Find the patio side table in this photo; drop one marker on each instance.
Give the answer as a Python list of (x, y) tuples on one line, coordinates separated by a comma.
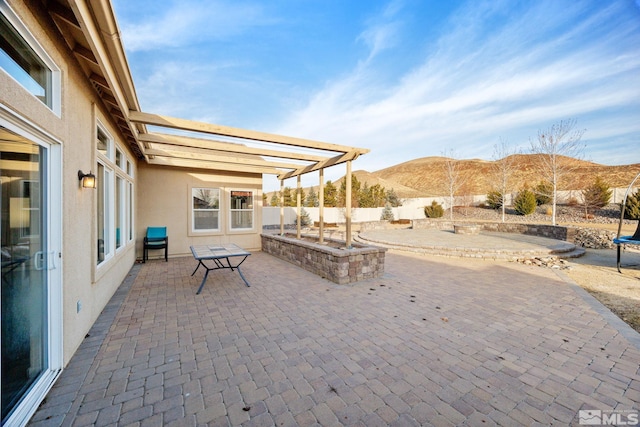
[(220, 257)]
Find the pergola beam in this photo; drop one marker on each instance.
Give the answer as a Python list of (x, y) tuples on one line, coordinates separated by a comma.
[(321, 165), (195, 126), (185, 141), (184, 163), (212, 155)]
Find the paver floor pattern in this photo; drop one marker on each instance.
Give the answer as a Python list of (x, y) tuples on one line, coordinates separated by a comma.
[(433, 342)]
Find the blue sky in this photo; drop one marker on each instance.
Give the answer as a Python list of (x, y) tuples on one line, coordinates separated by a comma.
[(406, 78)]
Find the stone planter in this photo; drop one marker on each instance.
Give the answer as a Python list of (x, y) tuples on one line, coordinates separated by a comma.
[(329, 260)]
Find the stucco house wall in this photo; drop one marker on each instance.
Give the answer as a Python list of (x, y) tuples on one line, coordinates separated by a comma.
[(75, 129), (165, 200)]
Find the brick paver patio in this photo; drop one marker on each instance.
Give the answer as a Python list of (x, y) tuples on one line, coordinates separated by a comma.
[(436, 341)]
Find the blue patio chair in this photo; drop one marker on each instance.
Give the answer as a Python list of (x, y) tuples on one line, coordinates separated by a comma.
[(626, 240), (156, 238)]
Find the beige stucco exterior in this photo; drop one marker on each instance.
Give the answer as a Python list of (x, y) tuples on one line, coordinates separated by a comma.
[(166, 201), (75, 130)]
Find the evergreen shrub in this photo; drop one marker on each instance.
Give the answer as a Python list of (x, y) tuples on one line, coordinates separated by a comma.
[(525, 202), (434, 211)]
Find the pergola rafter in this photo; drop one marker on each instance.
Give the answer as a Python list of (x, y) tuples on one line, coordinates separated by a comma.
[(213, 129), (199, 164), (209, 154), (190, 153), (209, 144)]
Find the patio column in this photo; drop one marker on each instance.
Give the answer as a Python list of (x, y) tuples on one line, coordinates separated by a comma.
[(298, 197), (321, 206), (347, 202), (282, 207)]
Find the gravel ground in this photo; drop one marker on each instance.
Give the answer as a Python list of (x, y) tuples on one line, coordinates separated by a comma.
[(565, 215)]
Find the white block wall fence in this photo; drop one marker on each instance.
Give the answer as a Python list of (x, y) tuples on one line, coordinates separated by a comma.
[(410, 209)]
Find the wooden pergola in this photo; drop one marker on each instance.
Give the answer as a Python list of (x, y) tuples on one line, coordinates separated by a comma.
[(301, 156)]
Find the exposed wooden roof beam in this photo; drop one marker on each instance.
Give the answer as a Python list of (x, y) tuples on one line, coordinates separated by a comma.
[(85, 54), (63, 13), (99, 80), (164, 161), (230, 147), (342, 158), (118, 114), (190, 125), (98, 23), (110, 100)]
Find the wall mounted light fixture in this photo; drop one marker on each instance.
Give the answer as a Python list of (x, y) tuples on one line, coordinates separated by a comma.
[(87, 180)]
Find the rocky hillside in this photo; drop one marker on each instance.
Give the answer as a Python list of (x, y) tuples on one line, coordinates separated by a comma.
[(426, 177)]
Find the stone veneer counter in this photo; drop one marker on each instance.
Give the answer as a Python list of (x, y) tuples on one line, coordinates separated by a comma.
[(338, 264)]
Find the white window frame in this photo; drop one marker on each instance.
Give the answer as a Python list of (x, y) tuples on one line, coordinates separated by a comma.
[(53, 200), (108, 156), (109, 221), (120, 159), (116, 175), (120, 200), (218, 210), (252, 210), (54, 100), (130, 211)]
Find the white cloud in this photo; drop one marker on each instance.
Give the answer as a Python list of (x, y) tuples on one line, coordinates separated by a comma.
[(191, 21), (382, 31), (491, 76)]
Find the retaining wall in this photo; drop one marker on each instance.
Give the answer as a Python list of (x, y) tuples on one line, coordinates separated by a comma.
[(543, 230)]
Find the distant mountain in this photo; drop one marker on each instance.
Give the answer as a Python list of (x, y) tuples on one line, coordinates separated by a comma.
[(426, 177)]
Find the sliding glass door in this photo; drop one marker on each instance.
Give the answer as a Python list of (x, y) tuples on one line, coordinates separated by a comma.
[(27, 260)]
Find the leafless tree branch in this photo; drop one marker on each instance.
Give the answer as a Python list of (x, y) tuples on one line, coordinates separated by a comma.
[(557, 147)]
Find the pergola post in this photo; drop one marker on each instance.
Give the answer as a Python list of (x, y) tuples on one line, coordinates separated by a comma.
[(321, 206), (298, 197), (282, 207), (347, 213)]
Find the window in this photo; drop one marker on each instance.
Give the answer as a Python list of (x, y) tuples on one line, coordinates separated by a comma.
[(120, 159), (205, 207), (130, 209), (241, 208), (120, 202), (103, 179), (115, 197), (104, 144), (24, 59)]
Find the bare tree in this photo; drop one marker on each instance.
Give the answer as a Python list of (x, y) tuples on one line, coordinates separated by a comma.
[(453, 178), (504, 167), (556, 148)]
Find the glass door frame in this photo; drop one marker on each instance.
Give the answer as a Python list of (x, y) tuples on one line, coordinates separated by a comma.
[(52, 200)]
